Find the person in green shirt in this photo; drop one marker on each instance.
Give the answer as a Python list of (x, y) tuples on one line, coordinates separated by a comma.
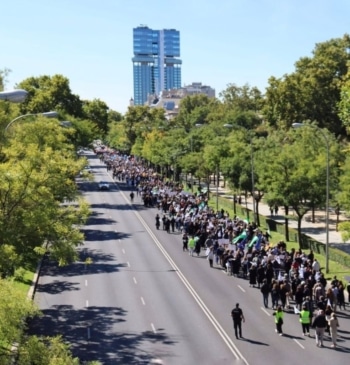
[(191, 245), (279, 320), (304, 319)]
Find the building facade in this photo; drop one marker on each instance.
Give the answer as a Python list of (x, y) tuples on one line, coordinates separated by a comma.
[(170, 100), (156, 63)]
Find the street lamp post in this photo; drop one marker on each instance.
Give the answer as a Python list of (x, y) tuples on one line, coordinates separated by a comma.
[(299, 125), (251, 165), (45, 114), (14, 96)]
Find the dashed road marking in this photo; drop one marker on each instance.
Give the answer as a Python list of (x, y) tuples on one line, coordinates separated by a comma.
[(86, 283), (87, 304), (265, 311), (123, 251), (153, 328), (241, 288), (298, 343), (143, 301), (128, 263), (135, 281)]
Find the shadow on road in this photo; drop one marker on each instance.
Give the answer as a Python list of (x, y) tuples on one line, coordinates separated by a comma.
[(95, 336), (92, 262), (57, 287)]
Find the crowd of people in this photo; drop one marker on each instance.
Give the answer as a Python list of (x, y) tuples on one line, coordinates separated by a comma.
[(239, 247)]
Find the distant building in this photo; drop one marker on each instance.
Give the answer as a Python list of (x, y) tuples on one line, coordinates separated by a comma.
[(156, 65), (198, 88), (170, 99)]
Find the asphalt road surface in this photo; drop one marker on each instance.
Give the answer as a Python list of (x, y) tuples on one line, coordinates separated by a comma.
[(136, 298)]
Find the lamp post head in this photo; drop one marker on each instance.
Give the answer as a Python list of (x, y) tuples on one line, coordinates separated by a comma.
[(50, 114), (66, 124), (14, 96), (298, 125)]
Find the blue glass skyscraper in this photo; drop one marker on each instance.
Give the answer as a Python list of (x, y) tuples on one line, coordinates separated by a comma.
[(156, 64)]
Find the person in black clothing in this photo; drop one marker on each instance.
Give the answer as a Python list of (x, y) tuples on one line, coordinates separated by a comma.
[(319, 324), (237, 317), (157, 221), (185, 242), (265, 290)]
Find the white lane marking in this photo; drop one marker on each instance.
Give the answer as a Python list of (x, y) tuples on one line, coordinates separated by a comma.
[(123, 251), (265, 311), (128, 263), (241, 288), (87, 304), (135, 281), (222, 333), (153, 328), (88, 333), (299, 343), (156, 361), (86, 283), (143, 301)]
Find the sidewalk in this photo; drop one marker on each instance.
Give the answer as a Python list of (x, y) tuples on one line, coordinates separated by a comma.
[(316, 230)]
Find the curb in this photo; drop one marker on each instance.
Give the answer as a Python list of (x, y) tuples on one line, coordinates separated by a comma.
[(35, 280)]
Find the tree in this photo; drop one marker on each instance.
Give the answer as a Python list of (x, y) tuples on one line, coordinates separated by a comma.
[(242, 99), (47, 351), (3, 77), (13, 309), (47, 93), (312, 92), (36, 177), (97, 112), (344, 103), (294, 172)]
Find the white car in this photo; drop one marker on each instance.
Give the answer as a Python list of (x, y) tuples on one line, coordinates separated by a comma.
[(103, 185)]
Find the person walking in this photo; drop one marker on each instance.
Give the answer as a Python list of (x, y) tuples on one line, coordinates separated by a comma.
[(185, 242), (279, 314), (210, 256), (157, 221), (333, 325), (265, 290), (237, 317), (191, 245), (304, 319), (320, 324)]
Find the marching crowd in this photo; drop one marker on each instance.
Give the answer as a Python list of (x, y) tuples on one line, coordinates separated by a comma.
[(241, 248)]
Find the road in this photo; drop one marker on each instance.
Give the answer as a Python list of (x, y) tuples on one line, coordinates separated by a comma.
[(142, 300)]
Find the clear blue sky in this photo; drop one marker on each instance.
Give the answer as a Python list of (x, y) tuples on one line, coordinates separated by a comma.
[(222, 42)]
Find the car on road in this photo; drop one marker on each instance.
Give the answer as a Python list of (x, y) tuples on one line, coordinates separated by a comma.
[(103, 185)]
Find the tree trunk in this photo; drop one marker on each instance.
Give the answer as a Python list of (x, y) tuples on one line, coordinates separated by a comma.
[(299, 232), (286, 223)]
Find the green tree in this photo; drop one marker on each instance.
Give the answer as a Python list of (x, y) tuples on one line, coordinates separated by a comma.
[(36, 177), (47, 351), (13, 309), (47, 93), (312, 92), (242, 99), (97, 112), (294, 172)]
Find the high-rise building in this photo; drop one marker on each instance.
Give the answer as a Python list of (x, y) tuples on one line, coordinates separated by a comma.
[(156, 64)]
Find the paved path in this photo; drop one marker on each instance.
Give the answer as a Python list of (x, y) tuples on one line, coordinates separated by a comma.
[(315, 230)]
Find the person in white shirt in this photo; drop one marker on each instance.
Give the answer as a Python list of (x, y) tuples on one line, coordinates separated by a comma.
[(316, 266)]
